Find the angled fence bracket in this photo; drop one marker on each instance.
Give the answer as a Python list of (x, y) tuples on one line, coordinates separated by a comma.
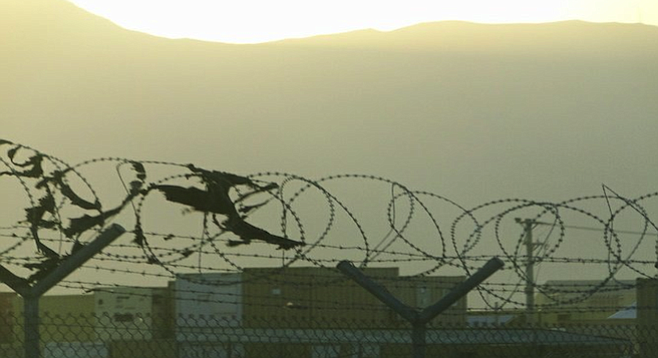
[(419, 319), (32, 293)]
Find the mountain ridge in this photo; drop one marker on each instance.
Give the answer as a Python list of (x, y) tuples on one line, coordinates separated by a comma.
[(470, 34), (73, 21), (77, 86)]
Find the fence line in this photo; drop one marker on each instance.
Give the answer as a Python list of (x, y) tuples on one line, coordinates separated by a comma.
[(94, 336), (258, 231)]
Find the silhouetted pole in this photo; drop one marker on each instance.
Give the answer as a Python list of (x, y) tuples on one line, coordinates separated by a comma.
[(32, 294), (528, 225), (420, 319)]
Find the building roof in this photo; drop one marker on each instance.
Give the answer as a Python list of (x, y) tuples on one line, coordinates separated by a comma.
[(628, 312)]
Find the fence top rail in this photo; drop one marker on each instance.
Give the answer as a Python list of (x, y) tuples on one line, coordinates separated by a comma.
[(401, 336)]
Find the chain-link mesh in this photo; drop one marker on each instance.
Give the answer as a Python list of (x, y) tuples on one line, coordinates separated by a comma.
[(88, 336)]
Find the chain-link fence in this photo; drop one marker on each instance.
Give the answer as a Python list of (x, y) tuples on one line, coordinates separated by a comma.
[(88, 336), (220, 259)]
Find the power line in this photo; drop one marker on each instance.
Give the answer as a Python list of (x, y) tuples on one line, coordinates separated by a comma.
[(577, 227)]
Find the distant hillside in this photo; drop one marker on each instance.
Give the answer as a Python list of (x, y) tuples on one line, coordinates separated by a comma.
[(468, 109), (576, 36)]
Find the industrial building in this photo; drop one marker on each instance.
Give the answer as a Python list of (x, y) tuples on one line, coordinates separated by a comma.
[(198, 314), (287, 312), (304, 297), (132, 313), (581, 301)]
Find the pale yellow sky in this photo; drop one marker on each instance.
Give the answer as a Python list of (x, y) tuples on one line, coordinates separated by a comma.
[(250, 21)]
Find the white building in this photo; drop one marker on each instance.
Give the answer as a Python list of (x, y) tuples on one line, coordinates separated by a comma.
[(131, 313), (205, 301)]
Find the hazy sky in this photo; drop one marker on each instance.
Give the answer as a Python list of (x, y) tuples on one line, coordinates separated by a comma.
[(258, 21), (470, 112)]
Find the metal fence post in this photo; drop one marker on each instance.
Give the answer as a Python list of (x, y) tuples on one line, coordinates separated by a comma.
[(31, 326), (418, 338), (420, 319), (32, 294)]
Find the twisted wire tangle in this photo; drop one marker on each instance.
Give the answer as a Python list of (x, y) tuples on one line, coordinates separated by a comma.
[(282, 220)]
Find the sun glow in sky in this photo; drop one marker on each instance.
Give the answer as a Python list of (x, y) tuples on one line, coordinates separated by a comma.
[(251, 21)]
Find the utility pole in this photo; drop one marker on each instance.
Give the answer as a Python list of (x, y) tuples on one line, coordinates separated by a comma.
[(528, 225)]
